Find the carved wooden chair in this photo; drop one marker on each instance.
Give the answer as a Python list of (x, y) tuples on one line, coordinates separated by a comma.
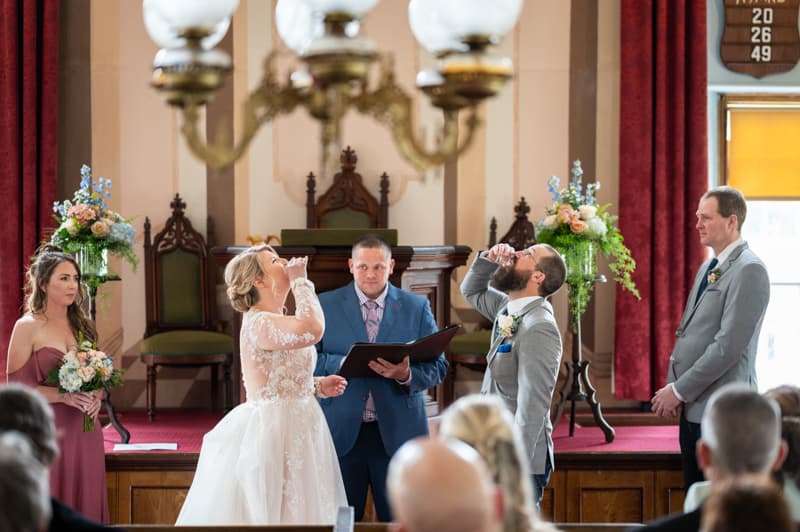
[(347, 203), (181, 330), (469, 349)]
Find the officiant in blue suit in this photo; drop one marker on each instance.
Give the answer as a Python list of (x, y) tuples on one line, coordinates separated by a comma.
[(717, 338), (374, 416)]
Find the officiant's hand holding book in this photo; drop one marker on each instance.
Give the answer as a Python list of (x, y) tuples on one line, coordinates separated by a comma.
[(357, 361)]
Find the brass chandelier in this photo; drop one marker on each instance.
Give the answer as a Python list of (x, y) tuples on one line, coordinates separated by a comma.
[(335, 70)]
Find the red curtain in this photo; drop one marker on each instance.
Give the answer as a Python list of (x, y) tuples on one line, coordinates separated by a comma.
[(662, 174), (28, 143)]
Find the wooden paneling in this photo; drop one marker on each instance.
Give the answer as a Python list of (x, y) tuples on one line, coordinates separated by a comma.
[(610, 496), (553, 506), (669, 492), (148, 497), (586, 488)]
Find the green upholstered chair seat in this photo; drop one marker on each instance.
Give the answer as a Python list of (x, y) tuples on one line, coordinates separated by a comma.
[(187, 343), (474, 343)]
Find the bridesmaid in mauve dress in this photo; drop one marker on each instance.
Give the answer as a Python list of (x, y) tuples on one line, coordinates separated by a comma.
[(50, 327)]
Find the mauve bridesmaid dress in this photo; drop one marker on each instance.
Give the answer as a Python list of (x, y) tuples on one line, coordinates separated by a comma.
[(78, 475)]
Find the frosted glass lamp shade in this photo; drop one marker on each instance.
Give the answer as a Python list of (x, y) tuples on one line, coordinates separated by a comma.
[(166, 37), (295, 22), (181, 15), (357, 8), (479, 17), (429, 29)]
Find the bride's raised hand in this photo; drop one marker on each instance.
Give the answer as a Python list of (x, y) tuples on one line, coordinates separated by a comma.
[(296, 268), (333, 385)]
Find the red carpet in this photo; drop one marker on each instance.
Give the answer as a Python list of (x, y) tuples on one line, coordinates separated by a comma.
[(186, 428), (649, 439)]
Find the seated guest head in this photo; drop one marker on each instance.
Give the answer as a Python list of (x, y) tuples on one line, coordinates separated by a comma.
[(741, 433), (441, 486), (788, 398), (25, 411), (746, 503), (485, 423), (24, 491)]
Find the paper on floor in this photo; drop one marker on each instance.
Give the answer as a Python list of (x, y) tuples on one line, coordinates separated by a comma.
[(145, 446)]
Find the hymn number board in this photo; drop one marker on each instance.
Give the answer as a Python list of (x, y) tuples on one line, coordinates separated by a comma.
[(761, 36)]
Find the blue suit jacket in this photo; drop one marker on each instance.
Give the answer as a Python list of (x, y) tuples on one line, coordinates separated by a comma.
[(400, 409)]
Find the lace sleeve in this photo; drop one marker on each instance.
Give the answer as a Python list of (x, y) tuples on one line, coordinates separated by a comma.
[(318, 388), (304, 328), (305, 300)]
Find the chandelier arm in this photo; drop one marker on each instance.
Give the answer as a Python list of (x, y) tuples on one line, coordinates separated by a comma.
[(391, 106), (263, 104)]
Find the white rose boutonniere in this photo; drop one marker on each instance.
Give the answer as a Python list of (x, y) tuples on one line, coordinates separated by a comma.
[(507, 325), (714, 275)]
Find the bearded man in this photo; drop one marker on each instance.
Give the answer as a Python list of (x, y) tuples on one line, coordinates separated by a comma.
[(511, 288)]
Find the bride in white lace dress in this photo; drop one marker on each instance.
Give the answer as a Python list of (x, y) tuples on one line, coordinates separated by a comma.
[(271, 460)]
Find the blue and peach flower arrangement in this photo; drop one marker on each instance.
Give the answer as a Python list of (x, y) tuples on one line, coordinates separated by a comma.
[(86, 222), (575, 223)]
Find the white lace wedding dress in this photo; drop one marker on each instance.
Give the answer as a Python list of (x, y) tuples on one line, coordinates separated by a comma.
[(271, 460)]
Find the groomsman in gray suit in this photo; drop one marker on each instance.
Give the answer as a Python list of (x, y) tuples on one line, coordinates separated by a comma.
[(718, 334), (511, 288)]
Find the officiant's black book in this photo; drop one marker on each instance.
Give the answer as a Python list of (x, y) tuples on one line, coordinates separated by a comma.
[(425, 349)]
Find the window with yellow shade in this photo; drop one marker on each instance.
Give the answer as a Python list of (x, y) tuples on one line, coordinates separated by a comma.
[(760, 157)]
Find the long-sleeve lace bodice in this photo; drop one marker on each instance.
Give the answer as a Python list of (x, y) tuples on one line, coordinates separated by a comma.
[(278, 363)]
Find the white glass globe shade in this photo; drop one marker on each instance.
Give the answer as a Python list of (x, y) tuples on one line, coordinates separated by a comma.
[(295, 22), (166, 37), (479, 17), (184, 14), (429, 29), (357, 8)]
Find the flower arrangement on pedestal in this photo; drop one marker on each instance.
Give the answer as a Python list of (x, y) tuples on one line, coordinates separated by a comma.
[(578, 228), (88, 229)]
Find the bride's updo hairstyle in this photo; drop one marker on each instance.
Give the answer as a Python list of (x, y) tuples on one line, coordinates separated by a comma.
[(240, 274), (484, 423)]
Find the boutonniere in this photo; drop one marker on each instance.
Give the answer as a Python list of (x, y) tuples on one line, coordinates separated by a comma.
[(714, 275), (507, 325)]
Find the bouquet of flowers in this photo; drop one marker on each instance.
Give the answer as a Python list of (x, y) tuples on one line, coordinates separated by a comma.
[(85, 369), (575, 223), (86, 224)]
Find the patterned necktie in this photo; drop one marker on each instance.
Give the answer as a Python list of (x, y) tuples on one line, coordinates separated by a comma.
[(372, 321), (704, 280)]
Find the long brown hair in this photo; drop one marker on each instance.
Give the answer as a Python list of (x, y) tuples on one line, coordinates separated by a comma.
[(44, 264)]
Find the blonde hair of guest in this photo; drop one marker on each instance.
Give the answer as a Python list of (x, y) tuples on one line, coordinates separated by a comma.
[(484, 423)]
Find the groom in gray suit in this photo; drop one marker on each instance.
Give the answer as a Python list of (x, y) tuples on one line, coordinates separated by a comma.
[(525, 353), (718, 334)]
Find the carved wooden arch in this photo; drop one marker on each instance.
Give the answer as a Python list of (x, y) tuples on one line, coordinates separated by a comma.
[(347, 192), (521, 234), (178, 233)]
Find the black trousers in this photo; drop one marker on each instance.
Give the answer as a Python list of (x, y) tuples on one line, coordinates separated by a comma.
[(688, 436)]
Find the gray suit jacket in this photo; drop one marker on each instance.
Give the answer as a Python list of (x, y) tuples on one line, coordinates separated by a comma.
[(718, 336), (525, 375)]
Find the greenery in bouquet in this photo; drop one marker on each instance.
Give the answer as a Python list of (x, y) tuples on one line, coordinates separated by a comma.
[(85, 369), (574, 221), (85, 223)]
